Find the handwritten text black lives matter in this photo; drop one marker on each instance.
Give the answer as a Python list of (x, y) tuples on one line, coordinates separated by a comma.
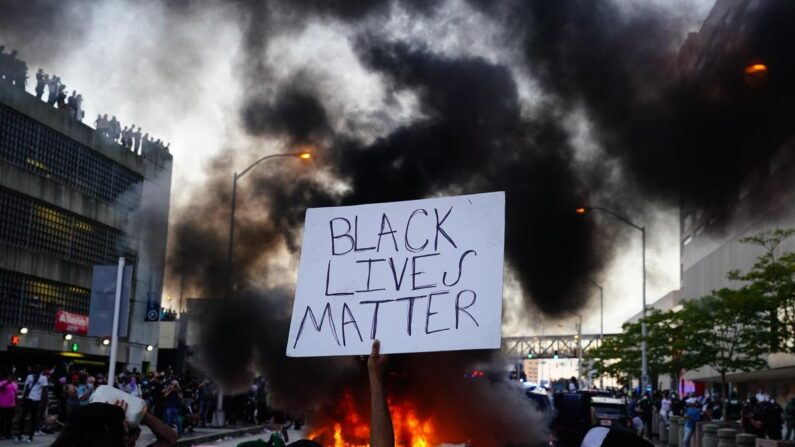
[(401, 252)]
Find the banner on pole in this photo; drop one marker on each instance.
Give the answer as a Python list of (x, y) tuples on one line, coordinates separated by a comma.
[(421, 275), (103, 296), (152, 306)]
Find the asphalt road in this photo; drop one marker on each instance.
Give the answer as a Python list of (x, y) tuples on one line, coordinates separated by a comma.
[(294, 436)]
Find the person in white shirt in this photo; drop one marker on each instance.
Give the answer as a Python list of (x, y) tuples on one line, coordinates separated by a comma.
[(665, 408), (35, 386)]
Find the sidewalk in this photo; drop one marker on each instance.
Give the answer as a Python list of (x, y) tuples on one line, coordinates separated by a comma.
[(199, 435)]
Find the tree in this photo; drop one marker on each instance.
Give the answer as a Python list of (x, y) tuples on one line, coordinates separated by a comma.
[(728, 330), (671, 336), (730, 334), (772, 282), (618, 355), (668, 336)]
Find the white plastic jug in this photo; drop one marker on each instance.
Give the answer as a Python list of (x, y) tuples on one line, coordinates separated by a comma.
[(135, 405)]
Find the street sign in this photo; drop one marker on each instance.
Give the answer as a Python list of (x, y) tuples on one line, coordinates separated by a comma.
[(71, 323), (422, 275)]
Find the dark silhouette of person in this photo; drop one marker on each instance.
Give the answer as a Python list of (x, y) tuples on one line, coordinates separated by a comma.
[(62, 97), (17, 70), (41, 81), (52, 90), (137, 141)]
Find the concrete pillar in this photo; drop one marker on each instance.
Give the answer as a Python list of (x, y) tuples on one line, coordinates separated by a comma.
[(710, 438), (673, 432), (745, 440), (726, 437), (663, 430)]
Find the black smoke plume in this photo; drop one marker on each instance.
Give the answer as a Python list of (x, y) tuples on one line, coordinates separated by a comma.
[(677, 134)]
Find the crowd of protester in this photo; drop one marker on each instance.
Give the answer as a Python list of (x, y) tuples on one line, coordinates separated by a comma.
[(14, 71), (40, 401), (759, 415), (167, 314), (128, 137)]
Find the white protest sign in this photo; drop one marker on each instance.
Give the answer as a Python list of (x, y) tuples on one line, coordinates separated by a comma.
[(422, 275)]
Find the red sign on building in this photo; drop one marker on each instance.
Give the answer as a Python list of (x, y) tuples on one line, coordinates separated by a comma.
[(71, 323)]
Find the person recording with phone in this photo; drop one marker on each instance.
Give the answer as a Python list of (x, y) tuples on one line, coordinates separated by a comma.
[(173, 402)]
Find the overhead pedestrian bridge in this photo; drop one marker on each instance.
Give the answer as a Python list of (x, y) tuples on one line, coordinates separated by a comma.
[(551, 346)]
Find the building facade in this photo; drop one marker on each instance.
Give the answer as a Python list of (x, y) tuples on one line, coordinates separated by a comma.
[(728, 59), (711, 241), (70, 199)]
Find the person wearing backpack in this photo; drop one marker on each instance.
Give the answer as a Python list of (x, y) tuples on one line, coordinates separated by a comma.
[(35, 387)]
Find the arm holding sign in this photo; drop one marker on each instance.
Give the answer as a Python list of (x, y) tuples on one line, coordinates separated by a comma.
[(381, 432)]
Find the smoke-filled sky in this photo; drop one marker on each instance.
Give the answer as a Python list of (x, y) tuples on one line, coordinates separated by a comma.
[(455, 96)]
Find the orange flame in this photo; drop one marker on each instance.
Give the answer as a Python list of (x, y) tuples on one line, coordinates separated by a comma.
[(353, 430)]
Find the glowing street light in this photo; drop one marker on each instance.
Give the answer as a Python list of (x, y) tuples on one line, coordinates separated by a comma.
[(754, 69), (755, 74), (218, 416), (302, 155)]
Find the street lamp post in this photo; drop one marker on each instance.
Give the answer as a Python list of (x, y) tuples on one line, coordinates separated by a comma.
[(601, 321), (235, 178), (644, 360), (601, 309), (218, 417)]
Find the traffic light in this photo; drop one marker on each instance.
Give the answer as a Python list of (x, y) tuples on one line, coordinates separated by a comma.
[(530, 355), (556, 356), (75, 347), (14, 340)]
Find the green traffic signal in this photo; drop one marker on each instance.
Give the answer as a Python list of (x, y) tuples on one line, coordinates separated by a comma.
[(75, 347)]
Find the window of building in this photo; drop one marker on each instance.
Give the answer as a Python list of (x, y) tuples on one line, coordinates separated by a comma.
[(40, 227), (36, 148), (32, 302)]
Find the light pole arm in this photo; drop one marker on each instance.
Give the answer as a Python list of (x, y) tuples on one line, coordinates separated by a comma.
[(617, 216), (235, 178), (288, 154)]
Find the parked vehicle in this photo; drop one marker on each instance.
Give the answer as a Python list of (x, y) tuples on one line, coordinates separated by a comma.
[(579, 412)]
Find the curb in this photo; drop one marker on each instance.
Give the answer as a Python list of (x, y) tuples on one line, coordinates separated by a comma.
[(186, 442)]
